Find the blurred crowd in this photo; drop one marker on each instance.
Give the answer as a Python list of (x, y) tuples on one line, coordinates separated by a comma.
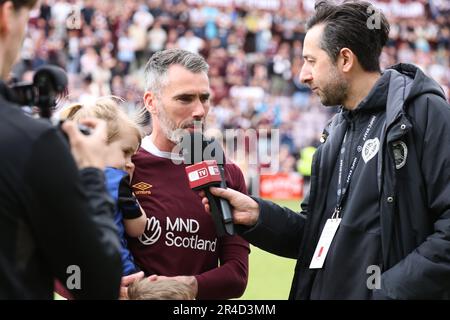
[(253, 48)]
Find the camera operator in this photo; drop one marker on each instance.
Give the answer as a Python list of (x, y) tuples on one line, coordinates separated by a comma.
[(55, 220)]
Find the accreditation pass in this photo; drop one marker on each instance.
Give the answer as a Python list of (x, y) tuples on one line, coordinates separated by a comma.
[(324, 244)]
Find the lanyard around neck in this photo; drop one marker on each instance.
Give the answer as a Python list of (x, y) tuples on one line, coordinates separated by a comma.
[(342, 190)]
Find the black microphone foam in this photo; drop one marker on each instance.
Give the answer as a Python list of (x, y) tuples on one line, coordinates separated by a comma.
[(196, 148)]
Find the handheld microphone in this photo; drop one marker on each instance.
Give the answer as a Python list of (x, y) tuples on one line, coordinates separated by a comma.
[(207, 170)]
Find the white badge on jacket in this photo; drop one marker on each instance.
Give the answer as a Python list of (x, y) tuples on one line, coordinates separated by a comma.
[(324, 244), (370, 149)]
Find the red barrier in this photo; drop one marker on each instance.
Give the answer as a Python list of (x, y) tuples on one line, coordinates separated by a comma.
[(283, 186)]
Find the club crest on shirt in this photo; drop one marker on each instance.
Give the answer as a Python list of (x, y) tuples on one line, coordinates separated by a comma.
[(400, 151), (370, 149)]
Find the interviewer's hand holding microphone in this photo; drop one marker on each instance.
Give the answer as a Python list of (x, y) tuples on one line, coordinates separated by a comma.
[(208, 156), (245, 210)]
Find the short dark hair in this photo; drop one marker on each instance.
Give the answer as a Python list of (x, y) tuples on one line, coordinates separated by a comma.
[(348, 25), (20, 3)]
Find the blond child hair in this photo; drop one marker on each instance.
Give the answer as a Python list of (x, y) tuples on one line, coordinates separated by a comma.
[(108, 109), (168, 289)]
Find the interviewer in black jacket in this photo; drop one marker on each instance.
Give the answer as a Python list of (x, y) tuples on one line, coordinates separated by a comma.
[(56, 220), (383, 169)]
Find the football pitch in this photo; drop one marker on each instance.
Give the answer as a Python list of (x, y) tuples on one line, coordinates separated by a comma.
[(270, 276)]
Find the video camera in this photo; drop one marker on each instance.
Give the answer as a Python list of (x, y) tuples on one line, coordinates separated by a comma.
[(49, 84)]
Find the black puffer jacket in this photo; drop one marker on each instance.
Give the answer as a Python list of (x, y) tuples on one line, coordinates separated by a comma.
[(412, 226)]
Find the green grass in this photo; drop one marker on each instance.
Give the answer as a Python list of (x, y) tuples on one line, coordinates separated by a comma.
[(270, 276)]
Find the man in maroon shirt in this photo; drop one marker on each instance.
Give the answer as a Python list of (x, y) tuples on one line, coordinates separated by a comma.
[(180, 240)]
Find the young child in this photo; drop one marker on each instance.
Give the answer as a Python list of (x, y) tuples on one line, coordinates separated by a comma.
[(124, 137)]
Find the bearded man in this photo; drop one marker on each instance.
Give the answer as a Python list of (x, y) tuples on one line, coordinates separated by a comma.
[(180, 240)]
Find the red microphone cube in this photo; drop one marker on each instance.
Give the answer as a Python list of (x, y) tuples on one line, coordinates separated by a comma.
[(203, 174)]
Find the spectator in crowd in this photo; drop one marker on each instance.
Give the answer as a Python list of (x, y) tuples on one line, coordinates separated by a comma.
[(245, 47)]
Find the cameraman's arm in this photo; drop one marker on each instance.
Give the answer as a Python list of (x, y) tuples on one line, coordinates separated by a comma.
[(73, 219)]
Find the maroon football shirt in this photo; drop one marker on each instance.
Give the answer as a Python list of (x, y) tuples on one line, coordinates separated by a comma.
[(180, 237)]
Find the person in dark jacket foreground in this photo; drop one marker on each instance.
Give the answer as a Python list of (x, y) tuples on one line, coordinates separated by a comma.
[(381, 177), (56, 220)]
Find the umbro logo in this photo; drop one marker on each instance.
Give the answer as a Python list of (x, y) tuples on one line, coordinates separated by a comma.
[(142, 188)]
